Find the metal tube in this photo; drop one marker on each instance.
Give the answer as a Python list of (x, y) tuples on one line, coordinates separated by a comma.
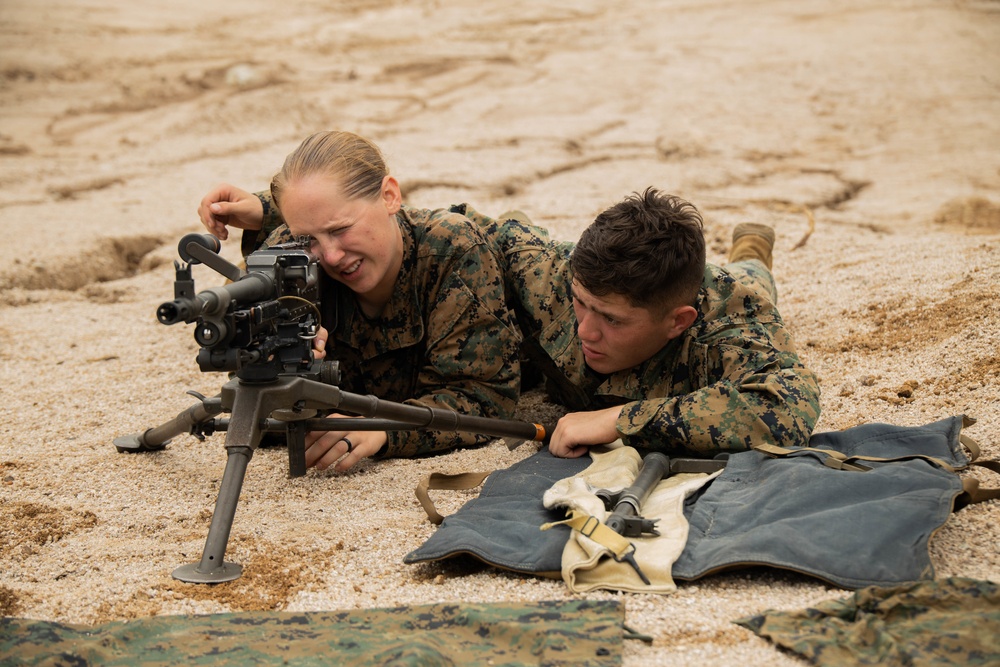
[(158, 436), (213, 568)]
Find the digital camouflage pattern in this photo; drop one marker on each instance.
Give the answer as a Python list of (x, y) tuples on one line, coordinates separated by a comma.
[(446, 339), (572, 633), (952, 621), (731, 381)]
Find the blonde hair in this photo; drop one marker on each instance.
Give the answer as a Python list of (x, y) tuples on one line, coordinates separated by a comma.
[(355, 161)]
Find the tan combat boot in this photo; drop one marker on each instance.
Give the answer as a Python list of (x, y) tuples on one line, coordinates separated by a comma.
[(520, 216), (752, 241)]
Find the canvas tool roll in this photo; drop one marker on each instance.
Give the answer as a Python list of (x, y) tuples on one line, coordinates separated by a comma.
[(856, 508), (593, 556)]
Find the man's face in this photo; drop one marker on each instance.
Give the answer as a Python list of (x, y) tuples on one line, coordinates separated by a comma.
[(616, 335)]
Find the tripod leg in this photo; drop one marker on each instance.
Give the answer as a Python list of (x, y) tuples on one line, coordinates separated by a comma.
[(242, 437), (296, 439), (159, 436), (213, 569)]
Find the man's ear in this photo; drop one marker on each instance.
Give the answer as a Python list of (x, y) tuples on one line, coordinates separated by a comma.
[(391, 195), (683, 317)]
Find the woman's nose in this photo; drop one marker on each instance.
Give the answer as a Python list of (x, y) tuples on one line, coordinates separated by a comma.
[(330, 252)]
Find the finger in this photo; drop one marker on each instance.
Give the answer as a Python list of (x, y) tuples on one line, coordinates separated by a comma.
[(336, 455), (319, 348), (315, 454), (314, 436), (319, 447), (235, 211), (561, 450), (558, 442), (216, 227), (347, 462), (220, 219), (330, 458)]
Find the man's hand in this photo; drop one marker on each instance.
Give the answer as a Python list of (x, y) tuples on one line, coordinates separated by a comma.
[(579, 430), (228, 206), (343, 448)]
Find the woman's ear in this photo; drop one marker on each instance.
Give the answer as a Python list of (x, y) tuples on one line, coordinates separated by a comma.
[(392, 197)]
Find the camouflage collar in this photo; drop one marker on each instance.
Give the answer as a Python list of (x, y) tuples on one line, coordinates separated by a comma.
[(401, 323)]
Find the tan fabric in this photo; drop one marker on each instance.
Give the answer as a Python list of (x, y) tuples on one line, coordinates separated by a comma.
[(588, 562), (752, 241)]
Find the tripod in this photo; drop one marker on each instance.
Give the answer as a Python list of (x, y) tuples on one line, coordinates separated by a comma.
[(296, 399)]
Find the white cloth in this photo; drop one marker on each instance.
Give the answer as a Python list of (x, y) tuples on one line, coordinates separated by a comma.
[(588, 563)]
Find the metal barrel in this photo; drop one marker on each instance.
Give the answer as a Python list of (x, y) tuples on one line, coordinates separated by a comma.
[(655, 467)]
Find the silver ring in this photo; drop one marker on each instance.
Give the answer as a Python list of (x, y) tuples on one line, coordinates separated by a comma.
[(350, 445)]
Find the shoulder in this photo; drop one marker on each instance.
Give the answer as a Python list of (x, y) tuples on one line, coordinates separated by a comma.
[(441, 232), (445, 251)]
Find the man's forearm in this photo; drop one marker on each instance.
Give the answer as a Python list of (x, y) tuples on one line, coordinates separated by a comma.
[(725, 417)]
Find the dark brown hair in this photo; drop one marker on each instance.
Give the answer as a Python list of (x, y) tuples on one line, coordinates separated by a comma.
[(649, 248)]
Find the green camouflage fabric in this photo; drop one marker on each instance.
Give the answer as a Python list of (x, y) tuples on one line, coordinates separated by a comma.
[(446, 339), (572, 633), (731, 381), (952, 621)]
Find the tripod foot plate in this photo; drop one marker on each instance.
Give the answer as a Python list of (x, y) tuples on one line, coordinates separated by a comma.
[(192, 575), (136, 443)]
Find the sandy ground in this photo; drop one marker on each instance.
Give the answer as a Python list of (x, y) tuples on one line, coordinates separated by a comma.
[(868, 137)]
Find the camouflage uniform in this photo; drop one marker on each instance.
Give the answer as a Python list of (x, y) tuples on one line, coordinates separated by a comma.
[(446, 339), (556, 633), (730, 381), (951, 621)]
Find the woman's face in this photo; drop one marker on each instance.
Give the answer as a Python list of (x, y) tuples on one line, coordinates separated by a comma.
[(357, 241)]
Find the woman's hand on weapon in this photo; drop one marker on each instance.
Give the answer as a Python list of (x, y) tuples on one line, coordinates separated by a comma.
[(319, 344), (341, 449), (228, 206)]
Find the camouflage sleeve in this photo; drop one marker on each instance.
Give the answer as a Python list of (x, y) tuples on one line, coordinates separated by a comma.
[(273, 223), (471, 361), (757, 391)]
